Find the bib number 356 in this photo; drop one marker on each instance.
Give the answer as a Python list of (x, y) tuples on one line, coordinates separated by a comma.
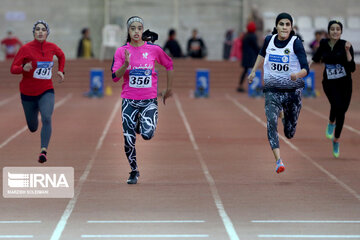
[(140, 78)]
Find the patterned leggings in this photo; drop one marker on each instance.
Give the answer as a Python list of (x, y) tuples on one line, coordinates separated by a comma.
[(147, 110), (290, 103)]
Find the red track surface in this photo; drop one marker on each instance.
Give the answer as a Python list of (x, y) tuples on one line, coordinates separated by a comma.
[(209, 160)]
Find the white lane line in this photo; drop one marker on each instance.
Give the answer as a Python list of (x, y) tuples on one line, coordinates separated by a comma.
[(70, 206), (19, 221), (330, 175), (147, 236), (16, 236), (305, 221), (146, 221), (9, 99), (327, 118), (309, 236), (221, 210), (12, 137)]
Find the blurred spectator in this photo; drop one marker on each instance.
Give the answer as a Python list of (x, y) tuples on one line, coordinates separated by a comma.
[(172, 47), (236, 50), (297, 32), (84, 47), (250, 51), (228, 44), (256, 17), (10, 45), (314, 45), (195, 46)]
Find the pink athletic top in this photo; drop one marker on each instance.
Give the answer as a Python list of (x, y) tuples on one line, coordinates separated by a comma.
[(140, 78)]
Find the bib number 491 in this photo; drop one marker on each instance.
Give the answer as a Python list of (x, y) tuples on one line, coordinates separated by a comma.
[(43, 70)]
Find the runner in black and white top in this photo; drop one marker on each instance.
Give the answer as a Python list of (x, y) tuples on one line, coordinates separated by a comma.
[(285, 66)]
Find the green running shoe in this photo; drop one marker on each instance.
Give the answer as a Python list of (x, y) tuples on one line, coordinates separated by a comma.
[(330, 131), (336, 149)]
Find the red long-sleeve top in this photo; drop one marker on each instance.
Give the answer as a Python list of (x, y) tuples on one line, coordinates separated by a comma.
[(39, 78)]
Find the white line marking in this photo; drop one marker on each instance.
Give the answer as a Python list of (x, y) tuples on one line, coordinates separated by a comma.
[(308, 236), (326, 118), (304, 221), (18, 221), (5, 101), (224, 216), (12, 137), (70, 207), (147, 236), (146, 221), (16, 236), (330, 175)]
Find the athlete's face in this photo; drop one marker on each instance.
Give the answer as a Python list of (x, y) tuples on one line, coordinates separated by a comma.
[(335, 31), (284, 29), (40, 33), (136, 31)]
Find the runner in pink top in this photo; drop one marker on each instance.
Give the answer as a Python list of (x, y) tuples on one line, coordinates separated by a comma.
[(140, 78), (135, 63)]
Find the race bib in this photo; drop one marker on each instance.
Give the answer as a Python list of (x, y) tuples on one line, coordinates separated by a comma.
[(140, 78), (335, 71), (10, 49), (43, 70), (279, 63)]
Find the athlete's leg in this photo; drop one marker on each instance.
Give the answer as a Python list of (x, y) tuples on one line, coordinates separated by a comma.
[(292, 106), (31, 110), (129, 117), (272, 109), (148, 119), (46, 107), (341, 106)]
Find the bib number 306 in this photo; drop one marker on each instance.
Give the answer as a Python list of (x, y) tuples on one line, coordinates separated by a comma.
[(280, 67)]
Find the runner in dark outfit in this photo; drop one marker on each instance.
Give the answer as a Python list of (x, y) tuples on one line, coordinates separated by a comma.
[(338, 56), (285, 66)]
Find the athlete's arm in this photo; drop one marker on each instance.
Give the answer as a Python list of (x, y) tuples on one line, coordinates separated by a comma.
[(121, 71), (168, 91), (17, 66), (303, 72), (259, 61), (61, 59)]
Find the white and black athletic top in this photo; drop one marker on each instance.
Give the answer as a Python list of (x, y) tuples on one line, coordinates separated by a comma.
[(281, 59)]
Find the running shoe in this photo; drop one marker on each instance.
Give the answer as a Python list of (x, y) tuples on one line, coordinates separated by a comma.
[(330, 131), (336, 149), (42, 157), (279, 166), (134, 175)]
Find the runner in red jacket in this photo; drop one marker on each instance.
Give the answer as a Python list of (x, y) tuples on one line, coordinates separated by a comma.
[(10, 45), (35, 62)]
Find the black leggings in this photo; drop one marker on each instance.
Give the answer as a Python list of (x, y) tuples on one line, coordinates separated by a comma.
[(243, 75), (148, 110), (339, 94)]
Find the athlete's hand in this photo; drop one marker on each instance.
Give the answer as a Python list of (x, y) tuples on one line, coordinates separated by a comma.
[(27, 67), (61, 77), (127, 57), (293, 76), (166, 94), (251, 77), (347, 46)]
